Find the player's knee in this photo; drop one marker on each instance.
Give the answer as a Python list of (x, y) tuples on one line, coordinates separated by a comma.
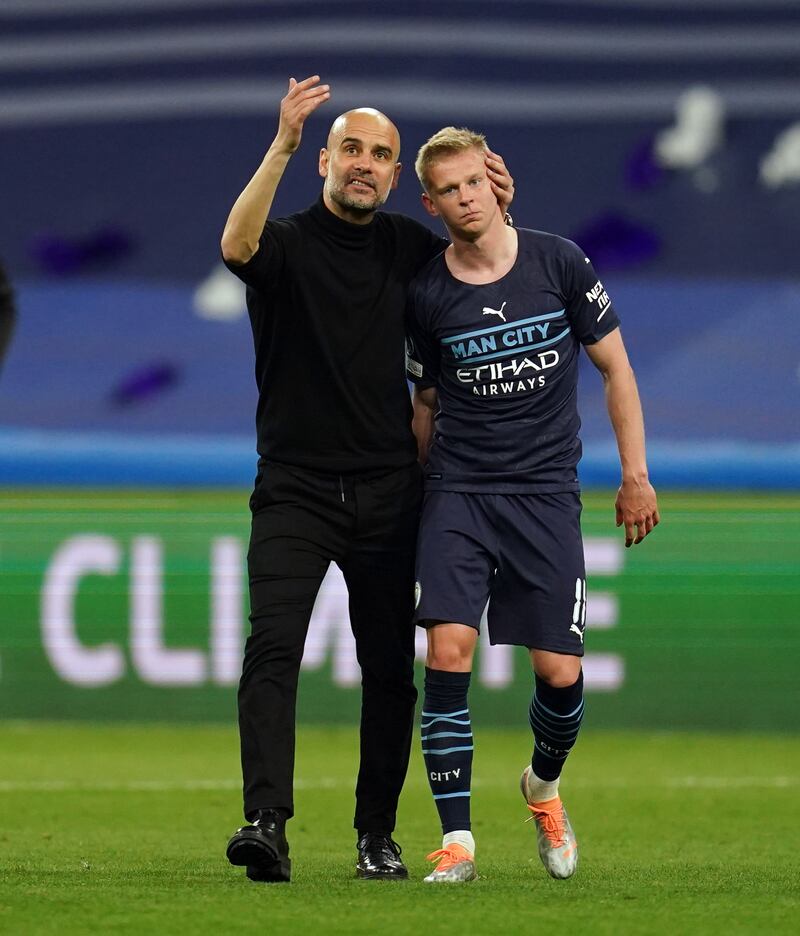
[(450, 658), (559, 672), (450, 647)]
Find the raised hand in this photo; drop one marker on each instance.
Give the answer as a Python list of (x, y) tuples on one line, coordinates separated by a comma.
[(500, 180), (302, 99)]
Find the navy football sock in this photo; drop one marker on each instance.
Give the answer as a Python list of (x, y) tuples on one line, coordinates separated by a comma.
[(555, 717), (447, 745)]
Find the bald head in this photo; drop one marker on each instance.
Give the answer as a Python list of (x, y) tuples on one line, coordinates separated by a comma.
[(364, 118), (359, 164)]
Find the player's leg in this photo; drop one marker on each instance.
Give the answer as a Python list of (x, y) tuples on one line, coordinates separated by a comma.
[(454, 572), (379, 571), (542, 571), (447, 745), (555, 715), (289, 552)]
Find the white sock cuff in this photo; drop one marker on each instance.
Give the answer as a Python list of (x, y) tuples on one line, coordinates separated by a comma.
[(540, 790), (461, 837)]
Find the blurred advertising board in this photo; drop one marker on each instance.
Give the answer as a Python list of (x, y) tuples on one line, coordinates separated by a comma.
[(133, 605)]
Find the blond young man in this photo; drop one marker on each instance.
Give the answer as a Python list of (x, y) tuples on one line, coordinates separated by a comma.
[(495, 325)]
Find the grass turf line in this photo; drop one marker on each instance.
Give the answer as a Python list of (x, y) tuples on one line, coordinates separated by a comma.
[(122, 829)]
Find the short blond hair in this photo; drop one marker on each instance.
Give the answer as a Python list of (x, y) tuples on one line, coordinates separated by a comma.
[(448, 140)]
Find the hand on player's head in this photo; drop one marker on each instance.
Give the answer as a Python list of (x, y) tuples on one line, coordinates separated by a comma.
[(500, 180)]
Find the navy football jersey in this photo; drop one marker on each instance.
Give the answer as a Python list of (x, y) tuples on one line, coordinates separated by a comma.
[(504, 359)]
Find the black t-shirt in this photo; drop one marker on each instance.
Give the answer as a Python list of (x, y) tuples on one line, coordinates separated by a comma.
[(326, 301), (504, 359)]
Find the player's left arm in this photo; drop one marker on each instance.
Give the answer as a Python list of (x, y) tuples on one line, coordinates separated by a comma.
[(425, 404), (636, 504)]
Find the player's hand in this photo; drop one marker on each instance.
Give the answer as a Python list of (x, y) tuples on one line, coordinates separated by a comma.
[(500, 180), (302, 99), (637, 510)]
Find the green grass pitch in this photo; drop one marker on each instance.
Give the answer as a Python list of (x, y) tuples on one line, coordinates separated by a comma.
[(122, 829)]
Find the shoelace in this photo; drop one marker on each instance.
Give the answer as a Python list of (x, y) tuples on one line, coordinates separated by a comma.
[(384, 843), (551, 821), (447, 857)]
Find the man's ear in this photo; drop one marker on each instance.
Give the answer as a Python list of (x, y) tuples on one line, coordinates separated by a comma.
[(429, 205), (396, 175), (323, 163)]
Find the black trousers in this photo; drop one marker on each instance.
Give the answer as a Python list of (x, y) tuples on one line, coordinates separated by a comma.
[(302, 521)]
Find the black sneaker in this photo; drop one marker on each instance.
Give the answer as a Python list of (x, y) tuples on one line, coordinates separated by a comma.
[(262, 848), (379, 857)]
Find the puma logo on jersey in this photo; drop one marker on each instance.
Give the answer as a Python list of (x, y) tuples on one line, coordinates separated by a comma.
[(488, 311)]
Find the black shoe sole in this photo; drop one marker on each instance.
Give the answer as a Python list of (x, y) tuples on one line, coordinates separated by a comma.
[(278, 873), (382, 875), (262, 862)]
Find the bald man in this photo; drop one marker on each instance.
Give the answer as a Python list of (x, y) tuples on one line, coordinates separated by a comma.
[(338, 478)]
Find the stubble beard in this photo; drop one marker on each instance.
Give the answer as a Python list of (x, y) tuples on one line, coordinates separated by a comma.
[(358, 204)]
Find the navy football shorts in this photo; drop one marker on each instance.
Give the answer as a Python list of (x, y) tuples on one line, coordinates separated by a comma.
[(523, 553)]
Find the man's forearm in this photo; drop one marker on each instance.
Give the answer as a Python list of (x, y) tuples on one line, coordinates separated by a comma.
[(625, 413), (251, 209), (422, 426), (636, 504)]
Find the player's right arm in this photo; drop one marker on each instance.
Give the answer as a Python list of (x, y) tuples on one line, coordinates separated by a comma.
[(240, 239), (425, 405)]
